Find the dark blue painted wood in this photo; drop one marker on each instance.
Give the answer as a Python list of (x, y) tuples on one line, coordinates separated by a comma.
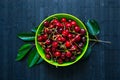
[(21, 15)]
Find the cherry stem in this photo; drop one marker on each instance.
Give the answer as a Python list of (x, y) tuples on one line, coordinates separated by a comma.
[(100, 41)]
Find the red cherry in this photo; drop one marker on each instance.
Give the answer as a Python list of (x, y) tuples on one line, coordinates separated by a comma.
[(47, 50), (58, 24), (73, 58), (80, 45), (53, 49), (55, 44), (67, 44), (57, 54), (63, 20), (82, 31), (63, 39), (73, 48), (45, 36), (68, 54), (51, 26), (68, 25), (73, 23), (77, 29), (59, 39), (54, 21), (59, 30), (60, 61), (63, 56), (70, 36), (48, 41), (40, 38), (47, 56), (65, 33), (46, 24), (77, 38)]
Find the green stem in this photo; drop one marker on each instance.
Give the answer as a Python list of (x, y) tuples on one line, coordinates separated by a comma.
[(100, 41)]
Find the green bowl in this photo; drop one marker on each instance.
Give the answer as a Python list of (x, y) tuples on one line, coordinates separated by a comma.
[(59, 16)]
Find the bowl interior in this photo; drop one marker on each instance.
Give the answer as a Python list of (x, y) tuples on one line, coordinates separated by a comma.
[(59, 16)]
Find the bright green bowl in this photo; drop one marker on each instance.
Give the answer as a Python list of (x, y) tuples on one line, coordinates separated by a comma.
[(59, 16)]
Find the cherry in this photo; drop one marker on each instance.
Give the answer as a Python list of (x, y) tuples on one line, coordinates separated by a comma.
[(67, 44), (51, 26), (48, 41), (58, 24), (77, 29), (63, 20), (59, 30), (40, 38), (73, 48), (46, 24), (65, 33), (53, 49), (82, 31), (73, 23), (57, 54), (68, 25), (70, 36), (45, 36), (47, 50), (54, 21), (60, 61), (68, 54), (63, 39), (48, 56), (77, 38), (55, 44), (59, 39), (63, 56)]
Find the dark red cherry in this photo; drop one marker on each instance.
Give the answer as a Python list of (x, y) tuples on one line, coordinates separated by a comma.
[(46, 24), (68, 54), (40, 38), (73, 23), (47, 56), (82, 31), (63, 20), (57, 54), (60, 61), (77, 29), (67, 44), (55, 44)]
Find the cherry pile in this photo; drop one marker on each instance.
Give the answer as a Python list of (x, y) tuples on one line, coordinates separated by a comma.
[(62, 40)]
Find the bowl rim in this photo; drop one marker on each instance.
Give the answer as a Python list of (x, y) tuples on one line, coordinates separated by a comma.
[(83, 52)]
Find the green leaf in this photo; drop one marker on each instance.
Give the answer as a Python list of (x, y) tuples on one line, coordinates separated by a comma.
[(39, 61), (27, 36), (23, 51), (33, 57), (34, 30), (93, 27), (86, 55)]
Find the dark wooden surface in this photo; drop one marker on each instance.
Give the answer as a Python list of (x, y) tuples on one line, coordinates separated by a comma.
[(21, 15)]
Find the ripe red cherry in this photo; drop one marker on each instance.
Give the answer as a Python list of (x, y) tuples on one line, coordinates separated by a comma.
[(57, 54), (47, 56), (40, 38), (77, 38), (63, 20), (59, 30), (55, 44), (58, 24), (73, 58), (54, 21), (51, 26), (53, 49), (46, 24), (83, 39), (59, 39), (67, 44), (73, 23), (68, 54), (45, 36), (48, 41), (47, 50), (60, 61), (63, 39), (77, 29), (73, 48), (65, 33), (82, 31), (68, 25), (70, 36), (63, 56)]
